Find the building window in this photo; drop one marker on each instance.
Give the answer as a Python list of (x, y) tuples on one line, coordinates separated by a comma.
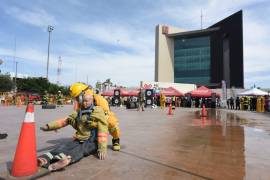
[(192, 60)]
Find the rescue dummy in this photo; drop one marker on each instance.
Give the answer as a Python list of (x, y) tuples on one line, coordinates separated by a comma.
[(91, 125), (78, 89)]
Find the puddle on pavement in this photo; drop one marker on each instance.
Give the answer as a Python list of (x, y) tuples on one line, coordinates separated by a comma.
[(227, 146)]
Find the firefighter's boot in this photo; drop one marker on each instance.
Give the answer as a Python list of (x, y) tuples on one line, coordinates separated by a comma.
[(3, 136), (116, 144)]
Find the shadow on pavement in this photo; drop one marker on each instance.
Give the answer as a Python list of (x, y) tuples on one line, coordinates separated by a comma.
[(56, 143)]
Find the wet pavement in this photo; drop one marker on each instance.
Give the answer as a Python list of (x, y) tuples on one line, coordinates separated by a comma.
[(224, 145)]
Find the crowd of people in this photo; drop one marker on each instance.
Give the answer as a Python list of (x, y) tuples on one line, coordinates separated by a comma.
[(164, 101), (9, 98), (250, 103), (94, 120)]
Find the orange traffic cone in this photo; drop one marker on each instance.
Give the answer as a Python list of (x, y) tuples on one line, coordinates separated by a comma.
[(170, 110), (25, 160), (204, 112)]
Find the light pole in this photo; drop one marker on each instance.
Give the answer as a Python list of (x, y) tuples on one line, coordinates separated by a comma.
[(15, 80), (50, 29), (1, 62)]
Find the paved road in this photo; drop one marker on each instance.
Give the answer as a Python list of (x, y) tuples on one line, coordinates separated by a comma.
[(158, 146)]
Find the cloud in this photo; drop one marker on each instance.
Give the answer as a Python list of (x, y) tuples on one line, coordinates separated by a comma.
[(255, 28), (123, 68), (35, 17), (114, 34), (258, 80), (122, 47)]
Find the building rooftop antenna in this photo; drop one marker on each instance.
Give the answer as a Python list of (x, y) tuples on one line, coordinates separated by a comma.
[(201, 19)]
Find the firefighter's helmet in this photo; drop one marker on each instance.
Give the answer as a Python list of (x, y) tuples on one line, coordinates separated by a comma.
[(78, 88)]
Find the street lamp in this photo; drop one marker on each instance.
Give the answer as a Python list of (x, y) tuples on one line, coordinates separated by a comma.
[(1, 62), (15, 80), (50, 29)]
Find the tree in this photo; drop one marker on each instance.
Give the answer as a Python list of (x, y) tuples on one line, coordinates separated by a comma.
[(40, 85), (98, 85), (33, 85), (6, 83)]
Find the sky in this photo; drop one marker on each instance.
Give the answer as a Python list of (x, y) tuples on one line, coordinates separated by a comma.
[(115, 39)]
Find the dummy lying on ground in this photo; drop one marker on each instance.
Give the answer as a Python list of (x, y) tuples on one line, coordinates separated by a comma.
[(91, 125)]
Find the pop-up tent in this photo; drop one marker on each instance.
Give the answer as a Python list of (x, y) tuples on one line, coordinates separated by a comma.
[(170, 91), (107, 93), (202, 92), (133, 92), (123, 92), (253, 92)]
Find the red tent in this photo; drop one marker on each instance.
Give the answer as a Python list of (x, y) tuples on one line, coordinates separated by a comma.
[(202, 92), (107, 93), (123, 92), (133, 92), (170, 91)]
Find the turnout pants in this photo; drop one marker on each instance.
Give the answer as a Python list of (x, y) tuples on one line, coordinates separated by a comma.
[(114, 129), (76, 149)]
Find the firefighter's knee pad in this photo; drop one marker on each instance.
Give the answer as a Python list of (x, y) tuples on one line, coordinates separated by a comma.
[(113, 125), (115, 132), (112, 120)]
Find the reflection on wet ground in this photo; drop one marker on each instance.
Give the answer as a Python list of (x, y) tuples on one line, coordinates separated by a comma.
[(157, 146), (227, 148)]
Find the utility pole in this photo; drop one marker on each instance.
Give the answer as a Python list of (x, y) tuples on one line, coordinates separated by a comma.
[(59, 70), (16, 67), (50, 29), (1, 62), (15, 80)]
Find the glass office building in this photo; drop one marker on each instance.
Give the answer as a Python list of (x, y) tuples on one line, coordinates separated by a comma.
[(192, 60), (202, 57)]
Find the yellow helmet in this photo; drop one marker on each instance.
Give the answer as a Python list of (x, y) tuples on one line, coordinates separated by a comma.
[(77, 88)]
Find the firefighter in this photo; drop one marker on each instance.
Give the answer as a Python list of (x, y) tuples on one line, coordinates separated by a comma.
[(79, 88), (141, 99), (245, 103), (91, 125), (162, 101), (242, 103), (59, 98), (258, 104), (173, 102), (45, 98), (262, 104)]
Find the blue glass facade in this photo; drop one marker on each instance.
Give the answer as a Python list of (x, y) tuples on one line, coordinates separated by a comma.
[(192, 60)]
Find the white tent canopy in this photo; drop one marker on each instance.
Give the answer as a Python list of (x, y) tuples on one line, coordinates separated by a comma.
[(253, 92)]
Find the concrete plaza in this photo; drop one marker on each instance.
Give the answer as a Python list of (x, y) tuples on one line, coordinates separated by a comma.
[(225, 145)]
